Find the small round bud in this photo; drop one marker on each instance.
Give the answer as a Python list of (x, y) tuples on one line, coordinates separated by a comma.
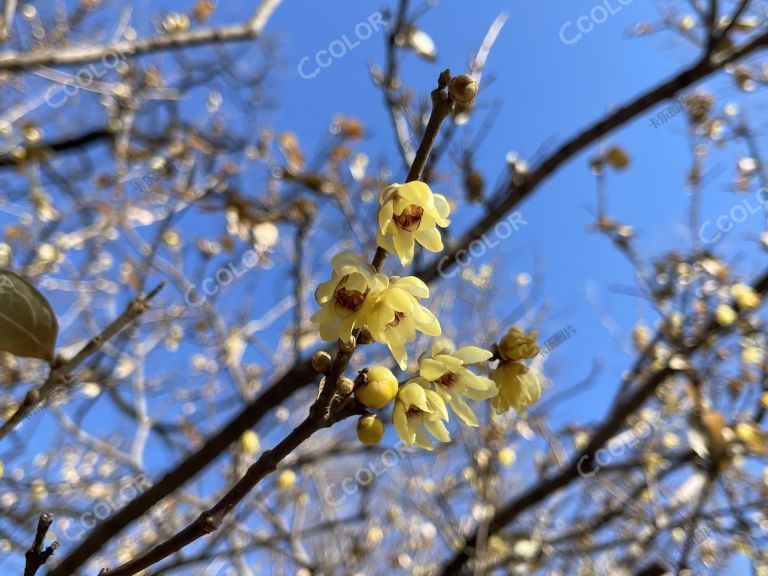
[(249, 442), (370, 429), (345, 386), (286, 479), (378, 387), (462, 88), (321, 362)]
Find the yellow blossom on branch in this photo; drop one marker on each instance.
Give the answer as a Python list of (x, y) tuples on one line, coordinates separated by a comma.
[(410, 213), (343, 297), (447, 371), (519, 388), (418, 411), (394, 315), (745, 296)]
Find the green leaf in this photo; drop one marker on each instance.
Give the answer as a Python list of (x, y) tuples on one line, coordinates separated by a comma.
[(28, 325)]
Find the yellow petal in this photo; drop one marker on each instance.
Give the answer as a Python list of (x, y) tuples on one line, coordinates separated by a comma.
[(404, 246), (431, 369), (414, 286), (415, 192), (464, 412), (430, 239), (442, 207), (438, 430), (385, 216), (472, 354), (400, 420)]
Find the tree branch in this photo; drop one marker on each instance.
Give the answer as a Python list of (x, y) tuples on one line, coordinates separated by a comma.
[(36, 556), (62, 369), (19, 62)]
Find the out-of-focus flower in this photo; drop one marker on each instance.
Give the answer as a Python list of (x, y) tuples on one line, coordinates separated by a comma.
[(447, 371), (519, 388), (516, 345), (725, 315), (410, 213), (370, 429), (418, 411), (286, 479), (343, 297), (249, 442), (745, 296), (394, 315), (378, 389)]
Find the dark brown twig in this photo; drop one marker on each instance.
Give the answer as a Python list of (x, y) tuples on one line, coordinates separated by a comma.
[(37, 556)]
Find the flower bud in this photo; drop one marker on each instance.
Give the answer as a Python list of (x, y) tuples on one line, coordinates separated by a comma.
[(345, 386), (378, 387), (370, 429), (462, 88), (286, 479), (249, 442), (321, 362), (517, 346)]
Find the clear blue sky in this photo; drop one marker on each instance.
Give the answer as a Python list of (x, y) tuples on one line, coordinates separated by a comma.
[(548, 90)]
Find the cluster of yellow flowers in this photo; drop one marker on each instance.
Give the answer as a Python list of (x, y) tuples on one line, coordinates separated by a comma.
[(359, 296)]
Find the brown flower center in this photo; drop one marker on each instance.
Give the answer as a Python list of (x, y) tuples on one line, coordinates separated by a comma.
[(448, 379), (351, 300), (398, 316), (410, 218), (414, 411)]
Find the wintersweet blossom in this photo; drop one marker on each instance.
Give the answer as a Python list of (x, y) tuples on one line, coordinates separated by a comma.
[(410, 213), (342, 299), (519, 388), (447, 371), (418, 411), (394, 315)]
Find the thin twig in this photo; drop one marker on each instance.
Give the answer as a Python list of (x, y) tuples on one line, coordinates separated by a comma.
[(20, 61), (61, 370), (36, 556)]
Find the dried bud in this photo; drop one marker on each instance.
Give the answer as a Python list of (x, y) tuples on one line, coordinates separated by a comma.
[(345, 386), (462, 88), (517, 346), (370, 429), (377, 387), (321, 362)]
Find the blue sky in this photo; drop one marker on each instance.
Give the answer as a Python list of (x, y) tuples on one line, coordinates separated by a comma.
[(548, 90)]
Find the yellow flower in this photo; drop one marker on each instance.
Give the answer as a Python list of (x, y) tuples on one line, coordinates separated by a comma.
[(342, 299), (745, 296), (394, 315), (249, 442), (286, 479), (518, 387), (517, 346), (725, 315), (447, 371), (370, 429), (410, 213), (418, 410), (379, 388)]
